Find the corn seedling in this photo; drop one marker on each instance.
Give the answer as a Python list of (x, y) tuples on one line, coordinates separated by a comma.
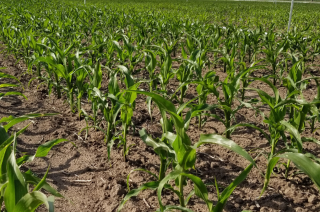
[(179, 146)]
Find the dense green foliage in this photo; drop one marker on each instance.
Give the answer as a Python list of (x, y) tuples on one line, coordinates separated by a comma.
[(73, 48)]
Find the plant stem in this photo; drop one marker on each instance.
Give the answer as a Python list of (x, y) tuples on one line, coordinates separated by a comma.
[(58, 85), (71, 100), (312, 124), (109, 134), (287, 169), (181, 198), (162, 170), (38, 70), (199, 124), (79, 106), (125, 142), (228, 124), (273, 148), (274, 75), (243, 90), (183, 90), (94, 110)]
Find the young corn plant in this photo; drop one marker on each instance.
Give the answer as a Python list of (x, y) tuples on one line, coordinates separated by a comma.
[(15, 184), (95, 80), (128, 101), (129, 52), (39, 51), (196, 62), (60, 63), (151, 64), (246, 80), (166, 72), (183, 154), (228, 60), (317, 97), (81, 86), (296, 84), (299, 42), (110, 106), (277, 126), (184, 75), (4, 85), (273, 50), (230, 88)]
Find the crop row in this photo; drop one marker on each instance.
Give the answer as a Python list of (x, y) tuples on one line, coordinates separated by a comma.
[(72, 50)]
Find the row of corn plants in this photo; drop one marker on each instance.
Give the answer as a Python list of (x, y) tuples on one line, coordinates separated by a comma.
[(98, 54)]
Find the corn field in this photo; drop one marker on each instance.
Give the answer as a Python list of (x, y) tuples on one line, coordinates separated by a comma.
[(190, 64)]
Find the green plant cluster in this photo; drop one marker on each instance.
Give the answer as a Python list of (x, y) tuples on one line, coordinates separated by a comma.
[(74, 49), (21, 191)]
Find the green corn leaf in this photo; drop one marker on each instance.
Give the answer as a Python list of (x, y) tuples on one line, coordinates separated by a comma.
[(31, 179), (14, 121), (4, 75), (128, 79), (43, 149), (8, 85), (11, 120), (109, 147), (134, 192), (139, 169), (275, 90), (171, 176), (180, 208), (17, 186), (12, 93), (305, 164), (195, 112), (264, 97), (42, 181), (165, 105), (66, 51), (31, 201), (271, 165), (294, 132), (11, 138), (159, 100), (4, 156), (97, 75), (61, 71), (51, 203), (184, 105), (200, 189), (217, 139), (170, 136), (186, 200), (296, 102), (185, 155), (24, 159), (228, 191), (3, 134), (251, 126), (113, 84), (308, 139), (158, 146)]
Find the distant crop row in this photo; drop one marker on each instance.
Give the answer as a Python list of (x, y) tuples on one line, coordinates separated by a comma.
[(73, 49)]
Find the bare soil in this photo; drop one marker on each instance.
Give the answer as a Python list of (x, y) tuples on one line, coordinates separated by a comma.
[(90, 182)]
